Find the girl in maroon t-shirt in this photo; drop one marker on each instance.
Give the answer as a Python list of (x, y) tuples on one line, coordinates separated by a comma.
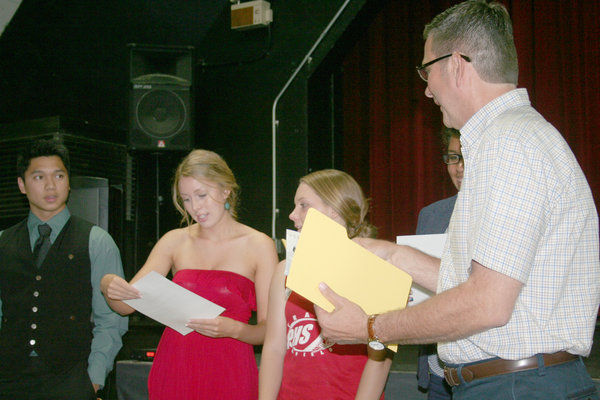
[(296, 363)]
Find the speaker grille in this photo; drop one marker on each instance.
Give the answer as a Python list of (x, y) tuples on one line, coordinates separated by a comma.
[(160, 97), (161, 113)]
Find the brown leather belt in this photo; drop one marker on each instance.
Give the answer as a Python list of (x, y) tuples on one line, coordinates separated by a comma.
[(500, 366)]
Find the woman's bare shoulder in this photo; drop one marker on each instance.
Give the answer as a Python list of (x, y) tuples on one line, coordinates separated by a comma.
[(175, 236), (256, 237)]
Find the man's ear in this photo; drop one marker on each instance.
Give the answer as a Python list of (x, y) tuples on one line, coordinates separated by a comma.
[(21, 185), (458, 65)]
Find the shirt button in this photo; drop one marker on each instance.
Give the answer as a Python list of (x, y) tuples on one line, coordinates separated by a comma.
[(32, 342), (36, 293), (34, 309), (38, 277), (72, 318), (33, 326)]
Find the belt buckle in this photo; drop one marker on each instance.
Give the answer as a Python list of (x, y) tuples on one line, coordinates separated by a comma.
[(451, 375)]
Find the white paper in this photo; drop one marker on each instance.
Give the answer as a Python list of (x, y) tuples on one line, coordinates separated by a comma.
[(291, 240), (428, 244), (171, 304)]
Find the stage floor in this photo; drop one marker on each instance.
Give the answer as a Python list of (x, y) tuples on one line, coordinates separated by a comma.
[(402, 382)]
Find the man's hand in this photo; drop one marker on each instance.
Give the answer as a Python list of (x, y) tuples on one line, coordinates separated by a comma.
[(346, 324), (99, 392)]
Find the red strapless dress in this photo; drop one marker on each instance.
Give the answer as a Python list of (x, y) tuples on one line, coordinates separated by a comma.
[(194, 366)]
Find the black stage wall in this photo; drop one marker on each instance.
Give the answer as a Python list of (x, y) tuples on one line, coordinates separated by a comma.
[(70, 59)]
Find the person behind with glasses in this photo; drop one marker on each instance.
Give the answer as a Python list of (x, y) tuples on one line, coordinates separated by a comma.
[(434, 219)]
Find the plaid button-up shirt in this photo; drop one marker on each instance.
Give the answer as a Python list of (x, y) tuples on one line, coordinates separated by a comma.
[(524, 210)]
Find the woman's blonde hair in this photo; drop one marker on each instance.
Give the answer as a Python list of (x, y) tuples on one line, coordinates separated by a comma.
[(344, 195), (206, 165)]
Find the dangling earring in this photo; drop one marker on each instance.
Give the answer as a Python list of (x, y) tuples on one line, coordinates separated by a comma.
[(227, 205)]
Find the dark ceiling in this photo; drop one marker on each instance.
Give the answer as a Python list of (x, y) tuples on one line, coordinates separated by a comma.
[(69, 57)]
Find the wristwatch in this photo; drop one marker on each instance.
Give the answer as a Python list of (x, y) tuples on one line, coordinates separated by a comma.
[(375, 349)]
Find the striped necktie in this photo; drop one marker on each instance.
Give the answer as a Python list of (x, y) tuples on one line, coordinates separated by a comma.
[(42, 245)]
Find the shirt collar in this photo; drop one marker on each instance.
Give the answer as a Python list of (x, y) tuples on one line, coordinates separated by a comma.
[(471, 132), (57, 223)]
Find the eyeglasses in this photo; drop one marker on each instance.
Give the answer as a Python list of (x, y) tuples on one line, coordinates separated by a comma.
[(424, 73), (452, 158)]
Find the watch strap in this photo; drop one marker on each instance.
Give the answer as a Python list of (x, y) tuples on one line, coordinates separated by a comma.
[(373, 351), (371, 327)]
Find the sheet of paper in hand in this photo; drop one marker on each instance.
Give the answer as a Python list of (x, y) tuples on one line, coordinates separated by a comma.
[(291, 241), (429, 244), (171, 304)]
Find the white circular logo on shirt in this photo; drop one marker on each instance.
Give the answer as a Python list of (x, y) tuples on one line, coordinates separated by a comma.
[(302, 336)]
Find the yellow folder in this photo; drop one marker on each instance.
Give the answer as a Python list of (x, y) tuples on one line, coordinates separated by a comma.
[(325, 254)]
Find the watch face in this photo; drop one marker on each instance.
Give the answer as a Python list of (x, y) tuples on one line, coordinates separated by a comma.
[(375, 345)]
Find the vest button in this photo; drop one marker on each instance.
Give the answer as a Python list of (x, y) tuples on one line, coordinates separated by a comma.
[(32, 342), (72, 318), (33, 326), (38, 277), (34, 309), (36, 293)]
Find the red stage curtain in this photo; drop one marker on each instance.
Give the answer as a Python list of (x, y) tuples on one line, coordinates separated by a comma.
[(391, 130)]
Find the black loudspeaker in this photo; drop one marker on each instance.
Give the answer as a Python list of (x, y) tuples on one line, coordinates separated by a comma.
[(89, 199), (160, 99)]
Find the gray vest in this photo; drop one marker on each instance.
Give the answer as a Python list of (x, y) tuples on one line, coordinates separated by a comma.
[(45, 310)]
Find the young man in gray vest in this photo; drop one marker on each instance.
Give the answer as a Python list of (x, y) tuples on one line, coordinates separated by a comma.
[(58, 337)]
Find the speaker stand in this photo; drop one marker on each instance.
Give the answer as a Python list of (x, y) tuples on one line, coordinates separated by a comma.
[(157, 196)]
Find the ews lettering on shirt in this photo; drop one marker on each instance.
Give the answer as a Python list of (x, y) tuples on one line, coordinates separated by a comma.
[(304, 338)]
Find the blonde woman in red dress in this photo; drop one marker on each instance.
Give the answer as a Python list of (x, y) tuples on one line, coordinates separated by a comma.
[(222, 260)]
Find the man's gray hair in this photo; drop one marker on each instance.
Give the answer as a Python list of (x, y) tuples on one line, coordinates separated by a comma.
[(482, 31)]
